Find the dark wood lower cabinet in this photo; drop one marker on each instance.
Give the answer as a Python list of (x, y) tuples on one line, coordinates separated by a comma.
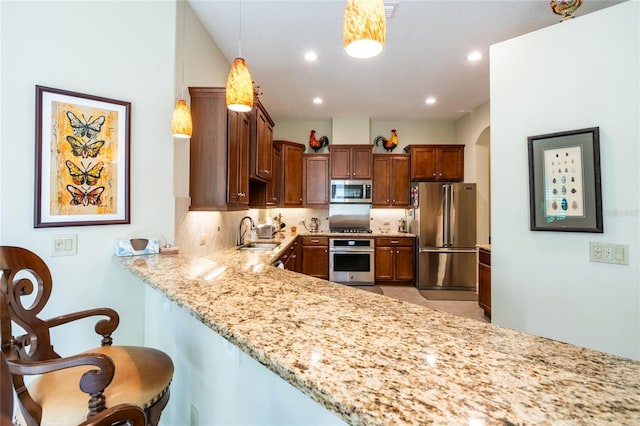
[(315, 257), (484, 281), (395, 260)]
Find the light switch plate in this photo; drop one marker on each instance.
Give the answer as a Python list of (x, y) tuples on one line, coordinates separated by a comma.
[(64, 244), (609, 253)]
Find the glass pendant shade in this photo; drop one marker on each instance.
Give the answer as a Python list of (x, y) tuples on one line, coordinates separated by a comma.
[(239, 87), (181, 124), (364, 28)]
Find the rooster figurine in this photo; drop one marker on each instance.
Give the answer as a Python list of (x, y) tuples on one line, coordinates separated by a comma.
[(388, 144), (317, 144)]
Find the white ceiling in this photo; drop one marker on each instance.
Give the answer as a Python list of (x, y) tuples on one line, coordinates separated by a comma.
[(425, 53)]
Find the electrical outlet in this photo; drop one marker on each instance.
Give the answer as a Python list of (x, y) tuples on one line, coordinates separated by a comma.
[(64, 244), (202, 239), (609, 253)]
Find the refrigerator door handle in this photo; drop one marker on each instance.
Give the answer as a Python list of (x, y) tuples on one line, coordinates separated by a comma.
[(446, 215), (446, 250)]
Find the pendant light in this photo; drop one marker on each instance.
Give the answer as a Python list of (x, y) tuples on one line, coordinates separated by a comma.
[(181, 124), (239, 93), (364, 28)]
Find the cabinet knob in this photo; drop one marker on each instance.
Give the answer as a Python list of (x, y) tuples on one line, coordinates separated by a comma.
[(434, 175), (440, 174)]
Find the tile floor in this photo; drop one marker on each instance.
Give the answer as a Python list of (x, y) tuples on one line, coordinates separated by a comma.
[(412, 295)]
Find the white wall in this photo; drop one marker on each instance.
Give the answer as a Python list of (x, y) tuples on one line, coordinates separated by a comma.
[(472, 130), (581, 73), (119, 50)]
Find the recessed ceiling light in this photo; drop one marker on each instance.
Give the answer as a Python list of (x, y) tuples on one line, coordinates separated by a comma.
[(431, 101), (311, 56), (317, 101), (474, 56)]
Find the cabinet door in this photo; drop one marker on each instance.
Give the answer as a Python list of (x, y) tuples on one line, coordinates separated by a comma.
[(208, 149), (340, 162), (273, 185), (238, 160), (316, 178), (291, 184), (381, 180), (262, 145), (361, 162), (399, 181), (315, 261), (404, 264), (451, 163), (384, 263), (423, 164)]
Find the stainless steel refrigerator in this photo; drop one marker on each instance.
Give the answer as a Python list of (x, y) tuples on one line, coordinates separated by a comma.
[(443, 216)]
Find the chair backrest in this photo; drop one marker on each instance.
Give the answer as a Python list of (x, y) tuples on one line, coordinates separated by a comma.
[(25, 278)]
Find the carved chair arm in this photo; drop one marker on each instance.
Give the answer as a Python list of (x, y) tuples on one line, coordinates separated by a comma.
[(93, 382), (118, 414), (103, 327)]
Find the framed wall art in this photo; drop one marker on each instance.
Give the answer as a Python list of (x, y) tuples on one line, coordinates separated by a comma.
[(564, 181), (82, 159)]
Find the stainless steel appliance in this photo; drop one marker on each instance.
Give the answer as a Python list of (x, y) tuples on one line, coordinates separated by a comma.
[(349, 218), (351, 191), (443, 217), (351, 261)]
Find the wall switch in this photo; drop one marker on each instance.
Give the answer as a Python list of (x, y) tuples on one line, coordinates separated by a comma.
[(202, 239), (64, 244), (609, 253)]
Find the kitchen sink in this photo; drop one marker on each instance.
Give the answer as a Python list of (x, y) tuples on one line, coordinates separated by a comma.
[(259, 246)]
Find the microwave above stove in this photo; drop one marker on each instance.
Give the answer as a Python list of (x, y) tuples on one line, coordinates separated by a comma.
[(351, 191)]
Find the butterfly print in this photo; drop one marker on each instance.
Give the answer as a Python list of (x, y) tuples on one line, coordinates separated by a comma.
[(87, 177), (87, 128), (80, 196), (84, 149)]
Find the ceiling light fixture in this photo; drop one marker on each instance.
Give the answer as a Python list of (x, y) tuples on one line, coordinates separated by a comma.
[(430, 101), (311, 56), (181, 123), (474, 56), (239, 93), (364, 28), (317, 101)]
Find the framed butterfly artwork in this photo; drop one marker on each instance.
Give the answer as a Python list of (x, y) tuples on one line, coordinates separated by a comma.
[(564, 181), (82, 159)]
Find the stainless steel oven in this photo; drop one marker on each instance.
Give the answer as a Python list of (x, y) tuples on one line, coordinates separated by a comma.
[(351, 261)]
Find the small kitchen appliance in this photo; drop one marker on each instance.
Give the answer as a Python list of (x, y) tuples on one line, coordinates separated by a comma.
[(351, 191), (315, 225)]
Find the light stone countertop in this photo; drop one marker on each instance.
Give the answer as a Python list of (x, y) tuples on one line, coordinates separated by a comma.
[(374, 360)]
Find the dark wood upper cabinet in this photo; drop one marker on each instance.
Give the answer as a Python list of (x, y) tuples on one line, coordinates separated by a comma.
[(436, 162), (290, 186), (391, 180), (316, 180), (351, 162), (261, 160), (219, 152)]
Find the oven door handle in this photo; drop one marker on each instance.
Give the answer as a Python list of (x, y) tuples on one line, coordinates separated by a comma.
[(341, 251)]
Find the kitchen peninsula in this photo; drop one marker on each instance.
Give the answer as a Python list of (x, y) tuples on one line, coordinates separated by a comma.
[(373, 360)]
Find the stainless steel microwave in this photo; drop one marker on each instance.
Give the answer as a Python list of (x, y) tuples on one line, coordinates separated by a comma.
[(351, 191)]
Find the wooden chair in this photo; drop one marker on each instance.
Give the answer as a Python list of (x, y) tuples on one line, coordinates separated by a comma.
[(142, 375), (123, 413)]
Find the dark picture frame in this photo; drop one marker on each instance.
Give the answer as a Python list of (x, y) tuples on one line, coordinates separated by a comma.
[(82, 159), (564, 181)]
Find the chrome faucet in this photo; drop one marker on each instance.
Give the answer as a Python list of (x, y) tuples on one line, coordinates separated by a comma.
[(240, 239)]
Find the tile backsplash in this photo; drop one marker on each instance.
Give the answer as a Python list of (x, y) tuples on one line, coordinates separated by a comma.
[(202, 232)]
